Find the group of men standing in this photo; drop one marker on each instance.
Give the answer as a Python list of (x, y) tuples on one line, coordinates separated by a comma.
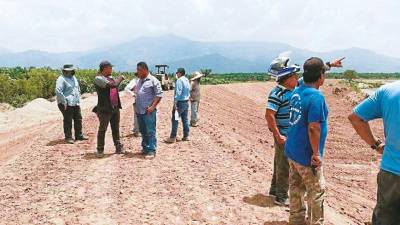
[(147, 92), (297, 116)]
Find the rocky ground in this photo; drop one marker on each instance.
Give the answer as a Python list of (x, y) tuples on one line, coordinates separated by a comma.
[(220, 177)]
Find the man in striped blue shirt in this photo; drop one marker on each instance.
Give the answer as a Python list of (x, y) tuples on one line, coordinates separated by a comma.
[(277, 116)]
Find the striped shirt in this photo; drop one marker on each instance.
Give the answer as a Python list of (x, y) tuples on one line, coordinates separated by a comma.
[(278, 101)]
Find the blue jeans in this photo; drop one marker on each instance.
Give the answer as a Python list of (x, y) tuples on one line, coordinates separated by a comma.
[(147, 127), (183, 110)]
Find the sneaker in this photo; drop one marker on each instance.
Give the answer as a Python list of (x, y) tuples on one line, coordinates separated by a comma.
[(272, 194), (81, 138), (69, 141), (150, 155), (194, 124), (99, 155), (185, 139), (170, 140), (136, 134), (119, 149), (282, 201)]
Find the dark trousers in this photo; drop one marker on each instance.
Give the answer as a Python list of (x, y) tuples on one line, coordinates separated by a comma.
[(280, 177), (183, 110), (387, 209), (105, 119), (148, 128), (69, 114)]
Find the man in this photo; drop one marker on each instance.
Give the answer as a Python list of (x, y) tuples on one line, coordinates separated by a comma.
[(131, 89), (68, 94), (148, 94), (305, 144), (181, 107), (385, 104), (108, 107), (277, 116), (195, 98)]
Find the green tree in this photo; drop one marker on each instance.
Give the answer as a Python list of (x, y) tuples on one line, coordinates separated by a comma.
[(350, 75), (206, 72)]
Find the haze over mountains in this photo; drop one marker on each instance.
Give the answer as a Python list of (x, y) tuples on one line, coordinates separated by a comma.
[(193, 55)]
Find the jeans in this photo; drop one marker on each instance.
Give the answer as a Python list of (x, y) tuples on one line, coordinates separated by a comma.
[(194, 111), (147, 127), (183, 110), (280, 177), (387, 207), (105, 119), (71, 113)]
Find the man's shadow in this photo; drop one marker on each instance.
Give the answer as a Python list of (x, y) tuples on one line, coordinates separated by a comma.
[(92, 156), (276, 223), (264, 201), (260, 200)]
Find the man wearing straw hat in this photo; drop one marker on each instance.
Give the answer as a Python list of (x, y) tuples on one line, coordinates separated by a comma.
[(195, 98), (68, 98)]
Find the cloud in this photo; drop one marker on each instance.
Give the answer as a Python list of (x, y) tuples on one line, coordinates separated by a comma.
[(320, 25)]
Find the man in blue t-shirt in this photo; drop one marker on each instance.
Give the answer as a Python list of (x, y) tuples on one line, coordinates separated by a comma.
[(385, 104), (277, 116), (305, 144)]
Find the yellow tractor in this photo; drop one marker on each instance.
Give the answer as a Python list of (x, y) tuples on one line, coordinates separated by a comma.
[(166, 82)]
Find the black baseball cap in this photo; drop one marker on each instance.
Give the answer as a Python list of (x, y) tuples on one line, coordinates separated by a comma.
[(181, 71), (104, 64)]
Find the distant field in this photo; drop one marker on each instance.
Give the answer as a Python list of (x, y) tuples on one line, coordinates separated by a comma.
[(19, 85)]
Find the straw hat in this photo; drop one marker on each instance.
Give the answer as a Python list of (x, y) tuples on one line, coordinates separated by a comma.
[(197, 75)]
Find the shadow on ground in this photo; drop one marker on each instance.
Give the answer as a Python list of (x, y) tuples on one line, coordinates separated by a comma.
[(91, 156), (260, 200), (276, 223), (137, 155), (56, 142)]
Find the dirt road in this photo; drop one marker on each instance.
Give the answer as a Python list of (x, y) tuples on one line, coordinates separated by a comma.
[(220, 177)]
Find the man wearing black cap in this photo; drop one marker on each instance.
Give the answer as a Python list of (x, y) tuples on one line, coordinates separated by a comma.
[(305, 144), (68, 98), (108, 107)]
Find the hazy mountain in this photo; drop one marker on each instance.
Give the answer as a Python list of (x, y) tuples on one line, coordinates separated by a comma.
[(194, 55)]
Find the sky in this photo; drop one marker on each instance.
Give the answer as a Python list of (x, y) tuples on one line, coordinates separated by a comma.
[(318, 25)]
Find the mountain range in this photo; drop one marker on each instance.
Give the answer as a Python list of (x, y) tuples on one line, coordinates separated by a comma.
[(221, 57)]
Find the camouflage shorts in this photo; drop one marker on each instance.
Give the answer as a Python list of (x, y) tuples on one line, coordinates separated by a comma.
[(301, 181)]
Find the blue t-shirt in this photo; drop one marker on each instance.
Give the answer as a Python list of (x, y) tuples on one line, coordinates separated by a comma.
[(385, 104), (278, 101), (307, 105)]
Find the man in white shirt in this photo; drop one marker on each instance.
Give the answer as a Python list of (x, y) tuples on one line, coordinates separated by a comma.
[(131, 89)]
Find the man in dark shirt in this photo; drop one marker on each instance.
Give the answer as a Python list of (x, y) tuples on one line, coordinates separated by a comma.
[(108, 107)]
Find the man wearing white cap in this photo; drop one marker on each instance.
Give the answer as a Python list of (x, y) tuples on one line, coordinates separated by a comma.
[(195, 98), (68, 94)]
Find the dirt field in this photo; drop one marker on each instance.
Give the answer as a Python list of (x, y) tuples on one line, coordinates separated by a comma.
[(220, 177)]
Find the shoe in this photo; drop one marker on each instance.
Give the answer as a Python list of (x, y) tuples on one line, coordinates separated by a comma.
[(193, 124), (170, 140), (69, 141), (119, 149), (282, 201), (136, 134), (99, 154), (272, 194), (81, 138), (185, 139), (150, 155)]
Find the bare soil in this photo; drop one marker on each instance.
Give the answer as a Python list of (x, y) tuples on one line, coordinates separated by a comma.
[(220, 177)]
